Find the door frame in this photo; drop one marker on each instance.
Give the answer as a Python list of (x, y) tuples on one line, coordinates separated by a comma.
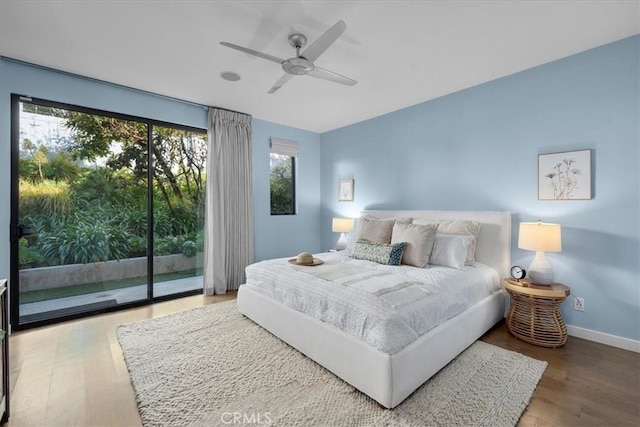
[(14, 264)]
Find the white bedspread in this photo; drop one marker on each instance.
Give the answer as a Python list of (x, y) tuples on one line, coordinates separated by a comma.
[(384, 324), (394, 289)]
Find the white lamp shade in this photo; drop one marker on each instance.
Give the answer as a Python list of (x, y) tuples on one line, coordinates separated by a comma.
[(342, 225), (540, 237)]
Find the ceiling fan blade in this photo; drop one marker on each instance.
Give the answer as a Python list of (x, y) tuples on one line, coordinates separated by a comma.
[(323, 42), (281, 82), (254, 52), (321, 73)]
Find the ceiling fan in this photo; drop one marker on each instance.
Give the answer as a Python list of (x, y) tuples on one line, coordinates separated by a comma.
[(302, 64)]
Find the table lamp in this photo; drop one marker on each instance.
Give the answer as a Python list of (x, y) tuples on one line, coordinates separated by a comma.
[(342, 226), (540, 237)]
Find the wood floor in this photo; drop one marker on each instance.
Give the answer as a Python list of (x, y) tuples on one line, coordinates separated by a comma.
[(585, 383), (73, 374)]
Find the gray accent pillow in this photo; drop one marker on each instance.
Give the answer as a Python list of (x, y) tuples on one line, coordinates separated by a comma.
[(420, 240), (372, 230)]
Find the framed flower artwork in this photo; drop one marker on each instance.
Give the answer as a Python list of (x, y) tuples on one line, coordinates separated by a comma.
[(565, 176), (345, 190)]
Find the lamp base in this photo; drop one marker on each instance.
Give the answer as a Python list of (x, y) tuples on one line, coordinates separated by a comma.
[(342, 242), (540, 271)]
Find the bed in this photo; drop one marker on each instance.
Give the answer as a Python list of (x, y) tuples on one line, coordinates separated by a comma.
[(390, 374)]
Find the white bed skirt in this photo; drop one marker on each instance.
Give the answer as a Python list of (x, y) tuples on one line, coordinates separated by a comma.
[(388, 379)]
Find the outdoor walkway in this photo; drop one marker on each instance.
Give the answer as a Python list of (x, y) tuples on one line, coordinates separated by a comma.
[(122, 295)]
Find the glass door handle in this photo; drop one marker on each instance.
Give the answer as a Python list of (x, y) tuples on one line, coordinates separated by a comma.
[(21, 230)]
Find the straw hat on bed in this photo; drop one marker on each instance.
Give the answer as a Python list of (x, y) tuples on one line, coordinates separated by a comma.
[(305, 258)]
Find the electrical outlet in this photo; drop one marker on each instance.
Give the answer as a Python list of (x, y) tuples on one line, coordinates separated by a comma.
[(578, 304)]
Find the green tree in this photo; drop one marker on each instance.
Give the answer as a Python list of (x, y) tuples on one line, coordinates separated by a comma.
[(61, 168), (87, 212), (282, 184), (40, 158), (179, 156), (29, 146)]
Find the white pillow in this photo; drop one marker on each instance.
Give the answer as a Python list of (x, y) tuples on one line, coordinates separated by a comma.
[(419, 239), (450, 250), (464, 227), (352, 238)]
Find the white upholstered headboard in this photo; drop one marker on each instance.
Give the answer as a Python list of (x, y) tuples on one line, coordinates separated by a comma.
[(494, 241)]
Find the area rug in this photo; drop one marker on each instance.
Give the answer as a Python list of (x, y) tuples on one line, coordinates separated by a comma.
[(211, 366)]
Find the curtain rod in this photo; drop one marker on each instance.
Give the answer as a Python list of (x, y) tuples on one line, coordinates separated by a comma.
[(167, 97), (231, 111)]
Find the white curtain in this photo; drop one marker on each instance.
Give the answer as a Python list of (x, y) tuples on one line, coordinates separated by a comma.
[(228, 239)]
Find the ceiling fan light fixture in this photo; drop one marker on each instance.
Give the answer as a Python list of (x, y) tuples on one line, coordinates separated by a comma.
[(230, 76)]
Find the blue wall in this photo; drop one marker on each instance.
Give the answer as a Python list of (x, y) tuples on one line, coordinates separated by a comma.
[(44, 83), (286, 235), (477, 149)]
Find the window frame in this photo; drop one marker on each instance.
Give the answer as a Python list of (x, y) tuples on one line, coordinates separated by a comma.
[(294, 204)]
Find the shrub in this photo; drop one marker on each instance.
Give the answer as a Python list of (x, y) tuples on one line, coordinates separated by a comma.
[(184, 219), (167, 245), (189, 249), (200, 240), (82, 238), (28, 256), (45, 197), (95, 184), (162, 224), (138, 246)]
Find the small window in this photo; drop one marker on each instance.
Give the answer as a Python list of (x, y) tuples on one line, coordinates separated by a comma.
[(282, 180)]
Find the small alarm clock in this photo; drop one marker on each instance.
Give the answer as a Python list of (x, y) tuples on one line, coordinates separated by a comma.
[(518, 272)]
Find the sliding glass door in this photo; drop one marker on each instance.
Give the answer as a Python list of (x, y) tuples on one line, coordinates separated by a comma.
[(179, 158), (106, 211)]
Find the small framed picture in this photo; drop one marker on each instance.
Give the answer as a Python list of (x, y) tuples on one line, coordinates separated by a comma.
[(345, 190), (564, 176)]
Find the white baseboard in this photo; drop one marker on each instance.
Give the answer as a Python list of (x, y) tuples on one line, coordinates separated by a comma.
[(602, 338)]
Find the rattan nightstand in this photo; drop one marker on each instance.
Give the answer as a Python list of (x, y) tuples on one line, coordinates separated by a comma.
[(534, 315)]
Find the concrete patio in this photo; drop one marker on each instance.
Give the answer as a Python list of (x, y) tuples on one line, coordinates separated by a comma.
[(122, 295)]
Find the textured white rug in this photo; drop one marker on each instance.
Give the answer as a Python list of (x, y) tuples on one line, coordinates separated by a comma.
[(212, 366)]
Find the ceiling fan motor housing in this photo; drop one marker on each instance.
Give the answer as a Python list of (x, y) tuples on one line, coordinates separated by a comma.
[(297, 66)]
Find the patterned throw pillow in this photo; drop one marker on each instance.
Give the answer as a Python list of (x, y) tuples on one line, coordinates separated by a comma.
[(380, 253)]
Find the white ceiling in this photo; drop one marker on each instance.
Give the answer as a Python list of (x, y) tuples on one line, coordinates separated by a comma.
[(400, 52)]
